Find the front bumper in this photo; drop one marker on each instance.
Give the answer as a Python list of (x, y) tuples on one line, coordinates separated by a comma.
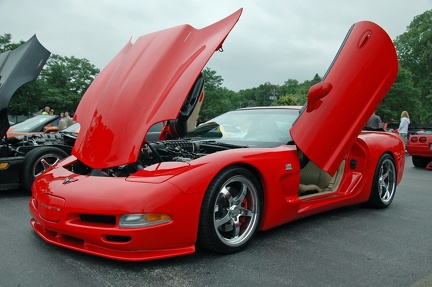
[(84, 215), (79, 244)]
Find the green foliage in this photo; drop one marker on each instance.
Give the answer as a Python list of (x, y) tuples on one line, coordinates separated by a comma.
[(287, 100), (414, 49), (402, 96), (67, 79), (5, 43), (61, 83), (212, 80), (217, 99)]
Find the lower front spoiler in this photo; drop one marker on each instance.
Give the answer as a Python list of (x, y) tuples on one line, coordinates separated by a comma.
[(77, 244)]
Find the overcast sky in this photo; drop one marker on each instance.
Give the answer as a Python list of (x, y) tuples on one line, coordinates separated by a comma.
[(274, 40)]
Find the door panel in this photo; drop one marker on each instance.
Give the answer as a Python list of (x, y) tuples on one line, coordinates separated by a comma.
[(361, 74)]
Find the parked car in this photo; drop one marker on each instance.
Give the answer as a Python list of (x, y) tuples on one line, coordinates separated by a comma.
[(24, 148), (121, 197), (36, 124), (419, 146), (27, 156)]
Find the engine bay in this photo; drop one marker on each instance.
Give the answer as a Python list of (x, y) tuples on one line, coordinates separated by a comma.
[(157, 152), (20, 145)]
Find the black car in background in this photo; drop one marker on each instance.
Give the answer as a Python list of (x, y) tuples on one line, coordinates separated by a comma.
[(23, 158), (25, 151)]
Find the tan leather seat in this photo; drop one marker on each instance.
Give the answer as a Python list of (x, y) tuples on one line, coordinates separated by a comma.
[(313, 179)]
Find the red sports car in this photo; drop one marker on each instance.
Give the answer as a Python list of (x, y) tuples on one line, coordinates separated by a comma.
[(419, 146), (216, 186)]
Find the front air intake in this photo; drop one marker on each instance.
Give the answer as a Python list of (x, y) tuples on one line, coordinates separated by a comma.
[(95, 218)]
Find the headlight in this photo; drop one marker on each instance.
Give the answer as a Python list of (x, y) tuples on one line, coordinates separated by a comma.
[(145, 219)]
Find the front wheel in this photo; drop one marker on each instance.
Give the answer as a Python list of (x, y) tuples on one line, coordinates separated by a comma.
[(37, 161), (231, 211), (384, 183)]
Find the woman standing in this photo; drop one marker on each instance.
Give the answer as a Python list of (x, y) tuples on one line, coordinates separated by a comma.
[(403, 127)]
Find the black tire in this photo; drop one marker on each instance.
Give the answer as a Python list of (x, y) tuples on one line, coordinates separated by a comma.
[(384, 183), (419, 161), (231, 211), (37, 161)]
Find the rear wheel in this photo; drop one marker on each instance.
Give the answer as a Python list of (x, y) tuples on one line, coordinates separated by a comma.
[(37, 161), (384, 183), (231, 211), (419, 161)]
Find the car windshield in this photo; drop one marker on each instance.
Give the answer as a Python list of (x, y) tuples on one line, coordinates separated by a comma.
[(261, 127), (74, 128), (34, 124)]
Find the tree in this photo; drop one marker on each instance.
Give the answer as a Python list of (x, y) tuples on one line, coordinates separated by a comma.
[(6, 44), (217, 99), (211, 79), (402, 96), (290, 86), (414, 49), (287, 100), (61, 84), (67, 79)]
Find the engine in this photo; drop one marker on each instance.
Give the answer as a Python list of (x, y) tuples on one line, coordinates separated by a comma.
[(20, 145), (170, 150), (157, 152)]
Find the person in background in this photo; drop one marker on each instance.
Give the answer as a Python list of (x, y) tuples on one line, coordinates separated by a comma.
[(46, 111), (69, 120), (62, 124), (61, 116), (375, 122), (403, 127)]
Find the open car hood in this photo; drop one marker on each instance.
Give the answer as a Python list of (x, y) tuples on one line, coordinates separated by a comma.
[(18, 67), (146, 83), (339, 107)]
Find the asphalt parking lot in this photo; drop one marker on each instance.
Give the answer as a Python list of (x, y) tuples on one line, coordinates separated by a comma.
[(353, 246)]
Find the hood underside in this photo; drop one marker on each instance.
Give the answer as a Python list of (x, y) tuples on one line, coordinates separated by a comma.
[(146, 83)]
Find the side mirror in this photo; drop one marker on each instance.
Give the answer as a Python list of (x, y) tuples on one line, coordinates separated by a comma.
[(316, 93)]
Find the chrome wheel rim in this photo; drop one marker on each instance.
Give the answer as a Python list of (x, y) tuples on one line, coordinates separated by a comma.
[(387, 181), (235, 215), (45, 162)]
